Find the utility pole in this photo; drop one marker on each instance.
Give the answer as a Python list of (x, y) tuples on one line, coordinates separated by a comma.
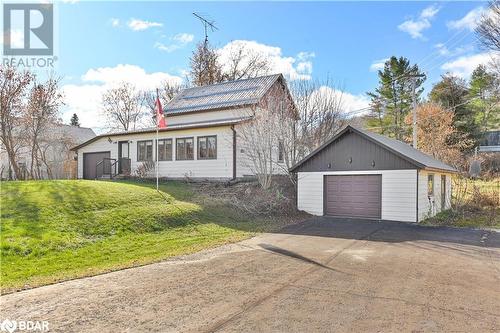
[(414, 97), (414, 86)]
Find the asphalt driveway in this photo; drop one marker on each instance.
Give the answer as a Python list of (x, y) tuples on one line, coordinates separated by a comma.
[(322, 275)]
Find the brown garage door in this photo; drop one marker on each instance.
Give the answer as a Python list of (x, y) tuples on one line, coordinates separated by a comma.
[(90, 161), (353, 196)]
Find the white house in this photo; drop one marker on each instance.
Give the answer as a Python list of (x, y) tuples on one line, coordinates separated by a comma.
[(54, 143), (362, 174), (201, 140)]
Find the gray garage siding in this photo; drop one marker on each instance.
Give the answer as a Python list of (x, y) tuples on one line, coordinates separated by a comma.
[(363, 152)]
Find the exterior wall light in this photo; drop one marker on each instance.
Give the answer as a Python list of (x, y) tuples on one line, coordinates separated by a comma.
[(350, 160), (373, 163)]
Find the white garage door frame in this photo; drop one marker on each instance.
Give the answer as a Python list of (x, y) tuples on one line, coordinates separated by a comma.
[(399, 192)]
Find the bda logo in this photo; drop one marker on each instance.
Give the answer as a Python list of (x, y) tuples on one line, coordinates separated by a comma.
[(28, 29), (8, 326)]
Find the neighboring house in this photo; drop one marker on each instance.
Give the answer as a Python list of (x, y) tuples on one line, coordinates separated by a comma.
[(201, 140), (362, 174), (55, 144), (490, 142)]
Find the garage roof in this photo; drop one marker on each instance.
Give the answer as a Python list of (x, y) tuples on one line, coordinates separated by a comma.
[(405, 151)]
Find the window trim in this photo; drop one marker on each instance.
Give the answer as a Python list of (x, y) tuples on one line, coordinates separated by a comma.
[(430, 191), (171, 148), (198, 147), (177, 152), (152, 151)]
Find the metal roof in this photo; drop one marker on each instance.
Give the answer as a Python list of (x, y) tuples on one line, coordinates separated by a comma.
[(221, 95), (415, 156), (198, 124)]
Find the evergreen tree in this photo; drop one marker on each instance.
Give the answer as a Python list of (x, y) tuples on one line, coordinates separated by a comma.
[(205, 68), (392, 100), (452, 94), (484, 95), (74, 120)]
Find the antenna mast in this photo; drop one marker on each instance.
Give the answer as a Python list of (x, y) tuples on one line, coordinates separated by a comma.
[(207, 24)]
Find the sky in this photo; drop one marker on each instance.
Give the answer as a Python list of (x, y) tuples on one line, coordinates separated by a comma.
[(102, 43)]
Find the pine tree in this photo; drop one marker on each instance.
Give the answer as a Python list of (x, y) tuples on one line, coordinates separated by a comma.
[(484, 95), (392, 100), (452, 94), (74, 120)]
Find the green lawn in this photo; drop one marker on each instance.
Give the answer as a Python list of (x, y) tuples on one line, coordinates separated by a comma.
[(57, 230)]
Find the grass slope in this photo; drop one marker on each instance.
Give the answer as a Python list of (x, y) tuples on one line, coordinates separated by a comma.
[(57, 230)]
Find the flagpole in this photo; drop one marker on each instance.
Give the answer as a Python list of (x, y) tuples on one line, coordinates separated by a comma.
[(156, 148)]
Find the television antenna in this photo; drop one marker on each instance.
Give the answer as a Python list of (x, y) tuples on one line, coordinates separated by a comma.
[(207, 24)]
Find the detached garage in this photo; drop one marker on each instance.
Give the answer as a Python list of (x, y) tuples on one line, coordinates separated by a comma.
[(361, 174)]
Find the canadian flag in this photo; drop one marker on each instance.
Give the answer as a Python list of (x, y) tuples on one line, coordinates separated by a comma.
[(160, 117)]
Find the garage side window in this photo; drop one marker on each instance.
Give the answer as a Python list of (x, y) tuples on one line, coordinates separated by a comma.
[(144, 150), (165, 150), (430, 185), (184, 149)]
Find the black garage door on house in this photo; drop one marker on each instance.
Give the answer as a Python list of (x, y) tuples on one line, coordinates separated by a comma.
[(90, 161), (353, 195)]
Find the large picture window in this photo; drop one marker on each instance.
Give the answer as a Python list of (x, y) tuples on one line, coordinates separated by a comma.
[(165, 150), (184, 149), (207, 147), (144, 150)]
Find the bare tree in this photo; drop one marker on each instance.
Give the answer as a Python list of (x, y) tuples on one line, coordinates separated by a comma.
[(205, 68), (488, 29), (122, 106), (321, 109), (13, 90), (166, 92), (41, 111), (243, 62)]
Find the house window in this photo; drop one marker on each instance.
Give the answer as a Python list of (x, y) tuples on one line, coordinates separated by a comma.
[(165, 150), (207, 147), (144, 150), (281, 150), (430, 185), (184, 149)]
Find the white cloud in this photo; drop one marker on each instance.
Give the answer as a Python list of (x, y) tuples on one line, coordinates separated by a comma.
[(423, 22), (180, 40), (378, 65), (16, 37), (85, 99), (295, 68), (443, 50), (115, 22), (183, 38), (469, 21), (139, 25), (465, 65), (72, 2), (347, 101)]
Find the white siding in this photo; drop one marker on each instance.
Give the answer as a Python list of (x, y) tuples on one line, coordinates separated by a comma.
[(220, 168), (208, 115), (430, 206), (399, 192)]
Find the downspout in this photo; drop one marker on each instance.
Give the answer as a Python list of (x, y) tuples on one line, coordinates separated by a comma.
[(234, 152)]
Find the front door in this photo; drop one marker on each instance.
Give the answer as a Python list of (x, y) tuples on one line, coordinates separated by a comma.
[(443, 192), (123, 157)]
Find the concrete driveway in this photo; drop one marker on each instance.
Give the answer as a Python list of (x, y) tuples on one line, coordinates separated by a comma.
[(318, 276)]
